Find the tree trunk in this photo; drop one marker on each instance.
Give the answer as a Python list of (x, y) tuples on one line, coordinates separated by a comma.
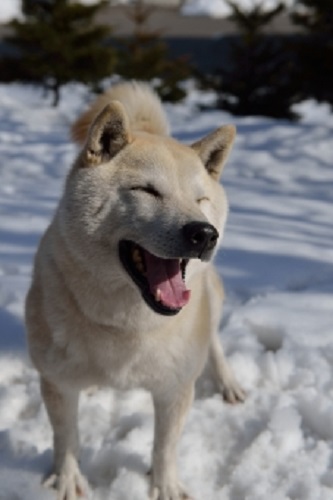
[(56, 94)]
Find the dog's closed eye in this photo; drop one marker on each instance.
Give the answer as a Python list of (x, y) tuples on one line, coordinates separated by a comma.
[(148, 189), (202, 199)]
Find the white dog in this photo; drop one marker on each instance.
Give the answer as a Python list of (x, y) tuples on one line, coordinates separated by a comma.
[(123, 291)]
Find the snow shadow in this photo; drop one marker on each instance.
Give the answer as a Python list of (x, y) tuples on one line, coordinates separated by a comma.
[(246, 270), (12, 336)]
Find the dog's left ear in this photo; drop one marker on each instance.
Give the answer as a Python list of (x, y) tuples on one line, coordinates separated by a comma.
[(108, 134), (215, 148)]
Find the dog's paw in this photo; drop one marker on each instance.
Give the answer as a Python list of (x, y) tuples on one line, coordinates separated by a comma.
[(231, 390), (69, 483), (169, 492), (233, 394)]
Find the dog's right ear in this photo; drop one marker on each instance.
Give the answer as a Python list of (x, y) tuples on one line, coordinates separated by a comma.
[(108, 134)]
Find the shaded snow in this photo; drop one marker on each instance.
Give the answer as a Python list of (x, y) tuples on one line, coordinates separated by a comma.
[(276, 261)]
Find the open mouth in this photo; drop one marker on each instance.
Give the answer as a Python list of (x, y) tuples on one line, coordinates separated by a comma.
[(161, 281)]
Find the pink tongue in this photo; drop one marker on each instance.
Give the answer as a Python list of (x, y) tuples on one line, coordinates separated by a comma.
[(165, 280)]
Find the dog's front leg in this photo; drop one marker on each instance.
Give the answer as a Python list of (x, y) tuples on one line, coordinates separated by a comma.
[(223, 375), (170, 413), (62, 408)]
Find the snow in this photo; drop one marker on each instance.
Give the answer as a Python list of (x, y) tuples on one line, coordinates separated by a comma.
[(276, 261), (9, 9), (213, 8), (220, 8)]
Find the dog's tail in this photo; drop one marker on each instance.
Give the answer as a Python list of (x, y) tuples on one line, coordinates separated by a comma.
[(142, 105)]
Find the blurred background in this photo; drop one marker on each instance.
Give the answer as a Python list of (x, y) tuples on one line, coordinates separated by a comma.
[(260, 57)]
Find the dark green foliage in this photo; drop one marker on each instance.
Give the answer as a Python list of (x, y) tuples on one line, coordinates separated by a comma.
[(144, 56), (259, 79), (56, 43), (251, 22), (315, 49)]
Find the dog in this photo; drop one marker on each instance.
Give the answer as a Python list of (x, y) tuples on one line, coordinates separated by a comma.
[(123, 290)]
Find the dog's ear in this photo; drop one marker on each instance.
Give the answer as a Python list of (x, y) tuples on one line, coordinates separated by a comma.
[(108, 134), (215, 148)]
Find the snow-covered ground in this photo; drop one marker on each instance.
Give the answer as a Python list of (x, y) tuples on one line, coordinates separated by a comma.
[(277, 264)]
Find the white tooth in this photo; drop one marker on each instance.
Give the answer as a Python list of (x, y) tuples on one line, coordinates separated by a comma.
[(136, 255), (158, 295)]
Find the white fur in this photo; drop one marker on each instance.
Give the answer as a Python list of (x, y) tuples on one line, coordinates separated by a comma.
[(87, 322)]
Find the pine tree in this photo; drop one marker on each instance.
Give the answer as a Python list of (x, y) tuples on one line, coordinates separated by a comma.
[(315, 48), (144, 56), (259, 79), (56, 43)]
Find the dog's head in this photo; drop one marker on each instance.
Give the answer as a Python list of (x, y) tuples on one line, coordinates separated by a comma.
[(148, 202)]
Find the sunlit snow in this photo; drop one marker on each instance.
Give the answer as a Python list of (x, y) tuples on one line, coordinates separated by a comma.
[(277, 264)]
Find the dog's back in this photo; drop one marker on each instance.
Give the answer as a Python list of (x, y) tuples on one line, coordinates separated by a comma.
[(142, 105)]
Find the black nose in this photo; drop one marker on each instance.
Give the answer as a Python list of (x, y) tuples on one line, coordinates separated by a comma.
[(201, 238)]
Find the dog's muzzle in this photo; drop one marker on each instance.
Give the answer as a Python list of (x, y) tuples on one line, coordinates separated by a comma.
[(200, 239), (162, 280)]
